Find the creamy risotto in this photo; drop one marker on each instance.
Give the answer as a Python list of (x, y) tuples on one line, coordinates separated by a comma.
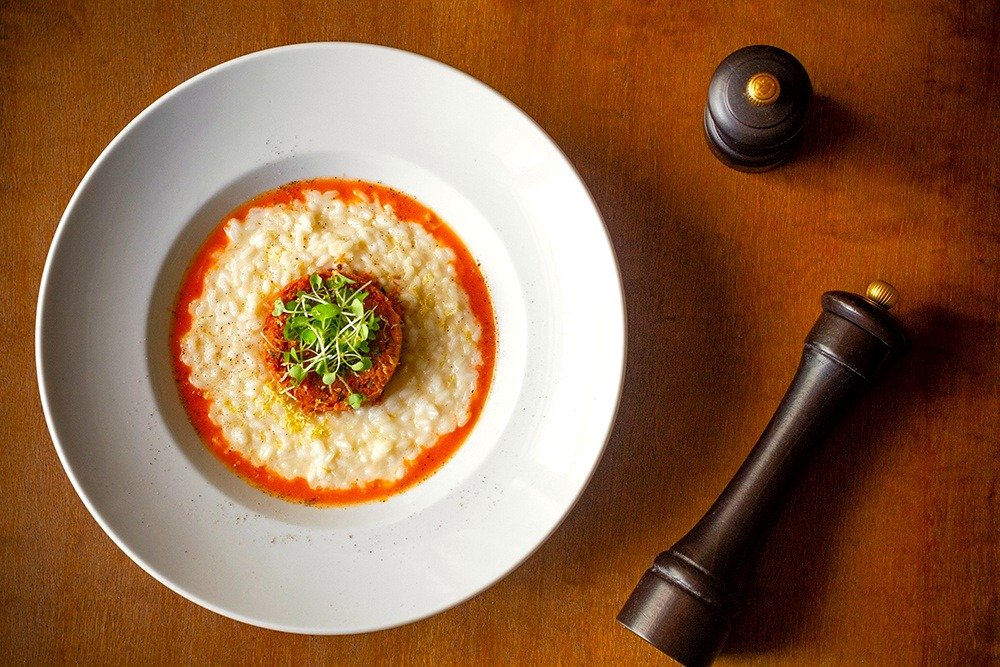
[(429, 396)]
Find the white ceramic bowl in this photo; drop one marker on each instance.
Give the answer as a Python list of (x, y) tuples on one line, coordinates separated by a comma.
[(115, 266)]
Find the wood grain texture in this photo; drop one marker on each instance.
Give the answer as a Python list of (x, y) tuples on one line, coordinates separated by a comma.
[(889, 552)]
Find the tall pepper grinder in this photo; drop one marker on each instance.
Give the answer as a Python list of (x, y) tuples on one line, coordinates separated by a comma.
[(684, 604), (757, 101)]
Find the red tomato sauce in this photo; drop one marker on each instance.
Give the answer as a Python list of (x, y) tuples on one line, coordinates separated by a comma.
[(197, 403)]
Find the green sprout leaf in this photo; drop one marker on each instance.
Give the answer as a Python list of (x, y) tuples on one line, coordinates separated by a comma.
[(355, 400), (324, 312), (297, 373)]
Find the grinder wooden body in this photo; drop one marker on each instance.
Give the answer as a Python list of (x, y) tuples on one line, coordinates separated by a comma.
[(684, 604)]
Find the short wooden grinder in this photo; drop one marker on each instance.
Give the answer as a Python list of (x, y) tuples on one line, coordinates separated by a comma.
[(684, 604), (756, 107)]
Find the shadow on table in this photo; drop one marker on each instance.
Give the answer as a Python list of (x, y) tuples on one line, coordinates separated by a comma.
[(687, 331), (680, 394), (829, 128)]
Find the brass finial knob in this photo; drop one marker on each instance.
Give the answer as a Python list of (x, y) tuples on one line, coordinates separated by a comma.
[(763, 89), (882, 293)]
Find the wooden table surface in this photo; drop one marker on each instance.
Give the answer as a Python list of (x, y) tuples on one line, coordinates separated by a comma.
[(889, 551)]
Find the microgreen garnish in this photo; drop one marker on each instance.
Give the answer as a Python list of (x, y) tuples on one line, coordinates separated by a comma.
[(331, 330)]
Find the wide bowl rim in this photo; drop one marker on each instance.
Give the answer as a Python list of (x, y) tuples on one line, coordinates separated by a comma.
[(57, 239)]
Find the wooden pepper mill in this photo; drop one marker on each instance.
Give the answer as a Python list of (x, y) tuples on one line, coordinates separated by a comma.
[(684, 604), (757, 101)]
